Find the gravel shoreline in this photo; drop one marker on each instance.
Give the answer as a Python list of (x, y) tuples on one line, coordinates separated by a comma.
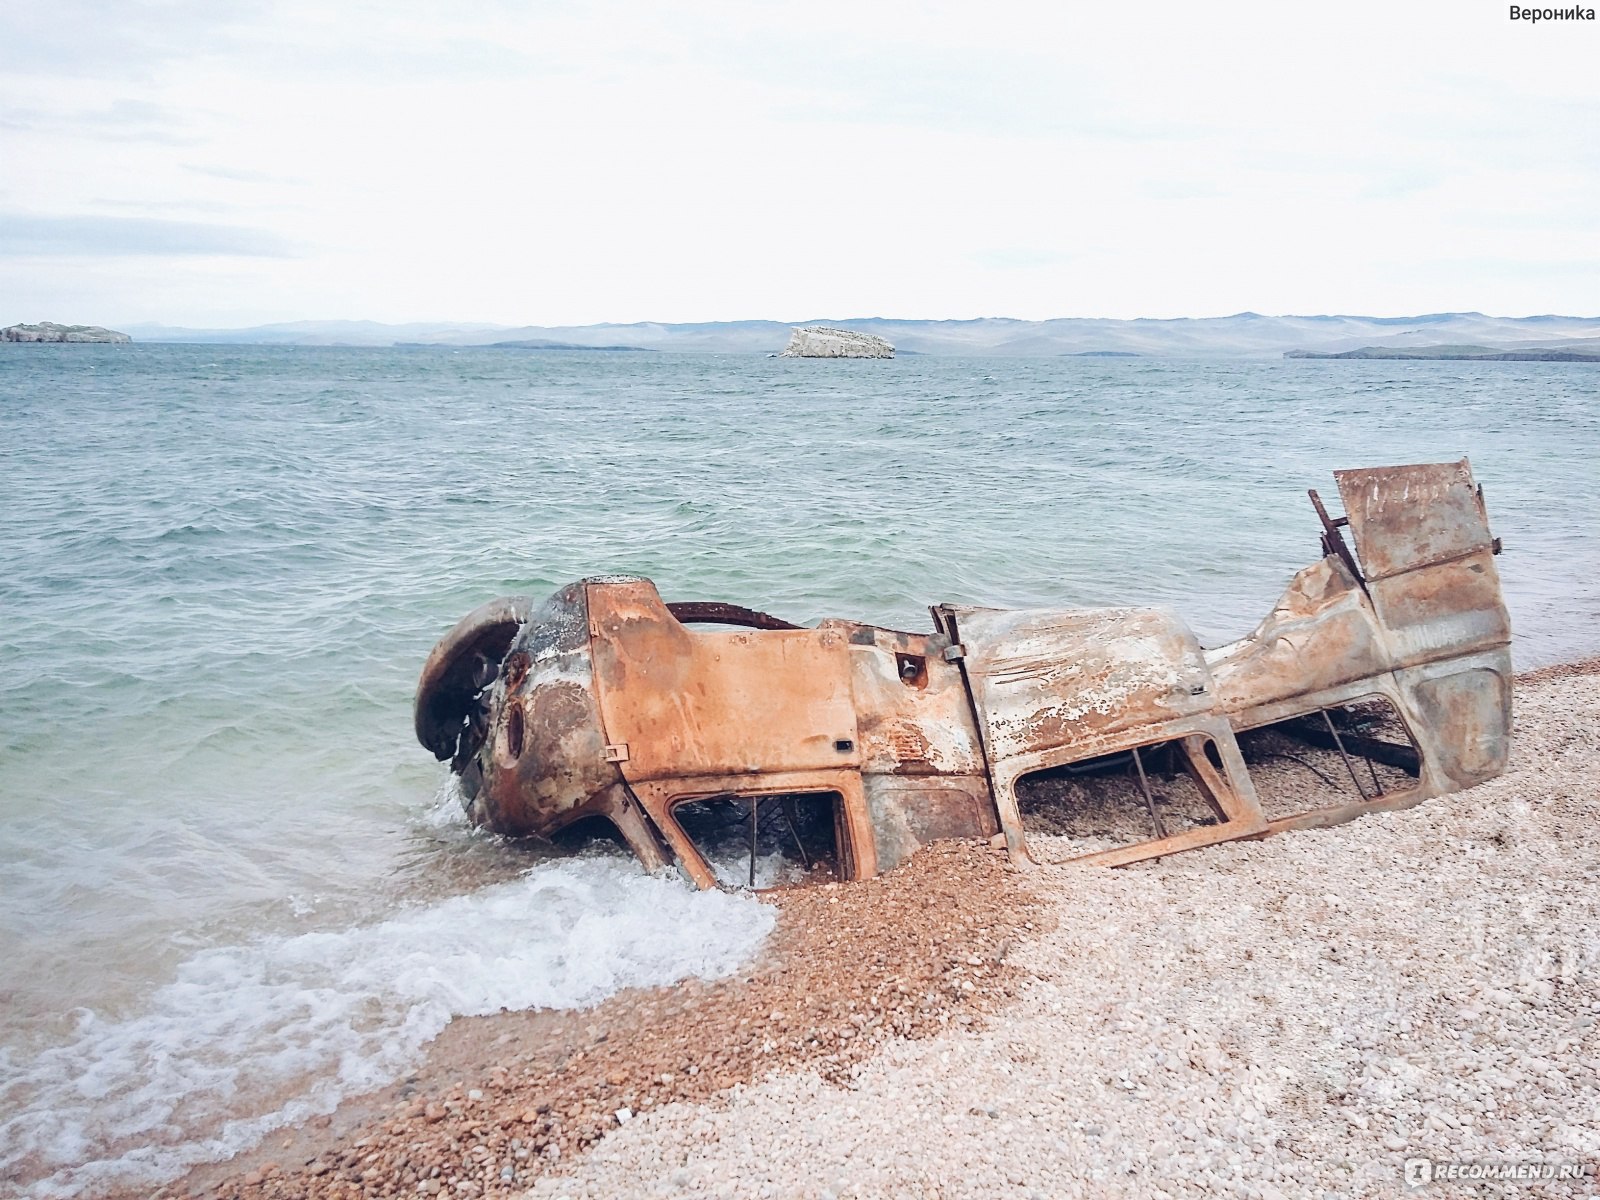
[(1293, 1017)]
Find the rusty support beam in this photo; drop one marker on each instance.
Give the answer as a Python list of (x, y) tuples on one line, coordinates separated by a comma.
[(786, 809), (1333, 541), (1149, 799), (1372, 749), (755, 830), (1348, 765)]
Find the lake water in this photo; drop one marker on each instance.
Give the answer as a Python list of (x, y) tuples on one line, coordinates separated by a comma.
[(235, 887)]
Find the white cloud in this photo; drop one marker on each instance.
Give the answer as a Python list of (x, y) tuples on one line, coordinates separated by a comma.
[(549, 164), (23, 235)]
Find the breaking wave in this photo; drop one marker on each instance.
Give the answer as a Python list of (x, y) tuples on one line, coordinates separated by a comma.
[(308, 1019)]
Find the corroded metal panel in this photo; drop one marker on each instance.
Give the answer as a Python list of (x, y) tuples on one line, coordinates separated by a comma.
[(908, 812), (1323, 632), (1442, 610), (1044, 679), (542, 765), (1463, 712), (1412, 516), (679, 702), (911, 704)]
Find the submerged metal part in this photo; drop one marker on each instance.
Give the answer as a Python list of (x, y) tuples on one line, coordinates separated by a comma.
[(606, 702)]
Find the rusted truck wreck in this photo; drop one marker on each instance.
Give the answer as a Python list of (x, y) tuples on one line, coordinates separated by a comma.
[(854, 744)]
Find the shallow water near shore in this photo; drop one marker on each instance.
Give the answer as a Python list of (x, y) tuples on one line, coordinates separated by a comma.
[(234, 888)]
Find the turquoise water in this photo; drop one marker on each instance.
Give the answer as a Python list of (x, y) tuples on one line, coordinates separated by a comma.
[(221, 568)]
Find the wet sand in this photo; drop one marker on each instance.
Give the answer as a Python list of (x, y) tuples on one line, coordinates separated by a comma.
[(1296, 1016)]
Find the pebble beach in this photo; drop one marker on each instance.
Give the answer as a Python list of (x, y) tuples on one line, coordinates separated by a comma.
[(1291, 1017)]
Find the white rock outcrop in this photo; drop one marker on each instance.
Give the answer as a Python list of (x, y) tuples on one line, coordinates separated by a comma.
[(49, 331), (821, 341)]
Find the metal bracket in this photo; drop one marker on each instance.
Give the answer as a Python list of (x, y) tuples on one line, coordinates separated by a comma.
[(617, 752), (1333, 541), (955, 653)]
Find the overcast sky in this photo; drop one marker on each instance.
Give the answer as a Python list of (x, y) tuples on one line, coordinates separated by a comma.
[(205, 162)]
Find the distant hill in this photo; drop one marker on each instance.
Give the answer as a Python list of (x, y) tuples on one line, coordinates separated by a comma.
[(1576, 350), (1241, 335), (537, 345)]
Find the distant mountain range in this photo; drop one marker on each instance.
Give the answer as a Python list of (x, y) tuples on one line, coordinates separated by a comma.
[(1244, 334), (1566, 350)]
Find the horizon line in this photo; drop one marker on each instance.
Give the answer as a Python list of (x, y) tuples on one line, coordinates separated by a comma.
[(1243, 314)]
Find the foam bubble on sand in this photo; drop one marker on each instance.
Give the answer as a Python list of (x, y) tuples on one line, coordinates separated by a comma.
[(249, 1038)]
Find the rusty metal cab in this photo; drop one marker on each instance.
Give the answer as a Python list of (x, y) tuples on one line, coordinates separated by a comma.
[(607, 702)]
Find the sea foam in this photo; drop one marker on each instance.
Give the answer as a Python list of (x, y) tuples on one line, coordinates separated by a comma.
[(249, 1038)]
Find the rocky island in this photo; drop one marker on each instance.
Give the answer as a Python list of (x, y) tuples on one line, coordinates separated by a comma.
[(49, 331), (822, 341)]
